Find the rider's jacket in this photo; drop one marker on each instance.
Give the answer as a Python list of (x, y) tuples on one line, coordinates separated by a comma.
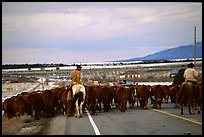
[(190, 74)]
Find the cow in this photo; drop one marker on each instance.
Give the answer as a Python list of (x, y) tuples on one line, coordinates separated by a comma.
[(132, 96), (22, 103), (14, 106), (50, 101), (7, 107), (107, 95), (122, 96), (19, 105), (64, 102), (57, 92), (157, 95), (166, 91), (143, 94), (174, 92), (92, 97), (36, 103)]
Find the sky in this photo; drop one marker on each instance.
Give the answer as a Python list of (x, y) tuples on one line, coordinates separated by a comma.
[(86, 32)]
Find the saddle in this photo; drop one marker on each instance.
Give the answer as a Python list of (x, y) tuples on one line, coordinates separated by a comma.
[(195, 84)]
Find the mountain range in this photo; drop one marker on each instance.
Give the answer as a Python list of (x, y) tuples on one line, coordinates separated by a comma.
[(181, 52)]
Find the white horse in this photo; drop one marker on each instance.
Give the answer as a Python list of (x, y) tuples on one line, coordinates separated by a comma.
[(79, 94)]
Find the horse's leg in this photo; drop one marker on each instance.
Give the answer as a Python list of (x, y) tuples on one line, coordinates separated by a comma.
[(99, 106), (69, 108), (181, 109), (175, 105), (189, 108), (193, 107), (80, 109), (199, 108), (77, 109)]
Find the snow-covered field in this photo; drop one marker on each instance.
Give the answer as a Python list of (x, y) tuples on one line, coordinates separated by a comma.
[(12, 89), (154, 83), (106, 65)]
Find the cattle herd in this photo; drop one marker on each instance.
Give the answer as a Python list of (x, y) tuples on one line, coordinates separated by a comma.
[(49, 103)]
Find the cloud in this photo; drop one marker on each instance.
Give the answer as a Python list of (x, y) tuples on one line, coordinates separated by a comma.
[(86, 23), (107, 30)]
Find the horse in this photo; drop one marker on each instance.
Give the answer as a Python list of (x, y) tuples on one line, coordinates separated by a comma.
[(188, 96), (78, 94)]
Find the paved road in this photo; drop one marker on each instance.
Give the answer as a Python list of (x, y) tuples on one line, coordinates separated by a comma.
[(167, 121)]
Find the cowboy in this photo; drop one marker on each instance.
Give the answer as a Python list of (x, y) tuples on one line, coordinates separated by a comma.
[(190, 74), (179, 78), (75, 79)]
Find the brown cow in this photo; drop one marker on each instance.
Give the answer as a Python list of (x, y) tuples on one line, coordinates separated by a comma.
[(50, 102), (57, 92), (107, 95), (98, 90), (7, 107), (19, 105), (36, 103), (157, 95), (91, 98), (27, 97), (122, 95), (14, 106), (166, 91), (64, 102), (143, 94), (174, 92), (132, 95)]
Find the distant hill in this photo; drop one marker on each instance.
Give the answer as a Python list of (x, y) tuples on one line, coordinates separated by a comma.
[(181, 52)]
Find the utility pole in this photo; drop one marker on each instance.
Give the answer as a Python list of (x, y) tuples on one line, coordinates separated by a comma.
[(42, 81), (195, 46)]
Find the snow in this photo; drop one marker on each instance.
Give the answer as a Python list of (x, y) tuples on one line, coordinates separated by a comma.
[(12, 89), (106, 65), (154, 83)]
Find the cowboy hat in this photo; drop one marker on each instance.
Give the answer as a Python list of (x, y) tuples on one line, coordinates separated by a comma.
[(191, 65), (78, 66)]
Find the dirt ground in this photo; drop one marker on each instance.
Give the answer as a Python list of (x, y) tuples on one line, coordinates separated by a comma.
[(25, 125)]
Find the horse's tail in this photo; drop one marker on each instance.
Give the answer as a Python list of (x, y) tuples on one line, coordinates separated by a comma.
[(79, 96), (186, 92), (182, 94)]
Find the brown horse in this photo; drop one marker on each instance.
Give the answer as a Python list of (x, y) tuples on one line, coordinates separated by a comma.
[(188, 96)]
